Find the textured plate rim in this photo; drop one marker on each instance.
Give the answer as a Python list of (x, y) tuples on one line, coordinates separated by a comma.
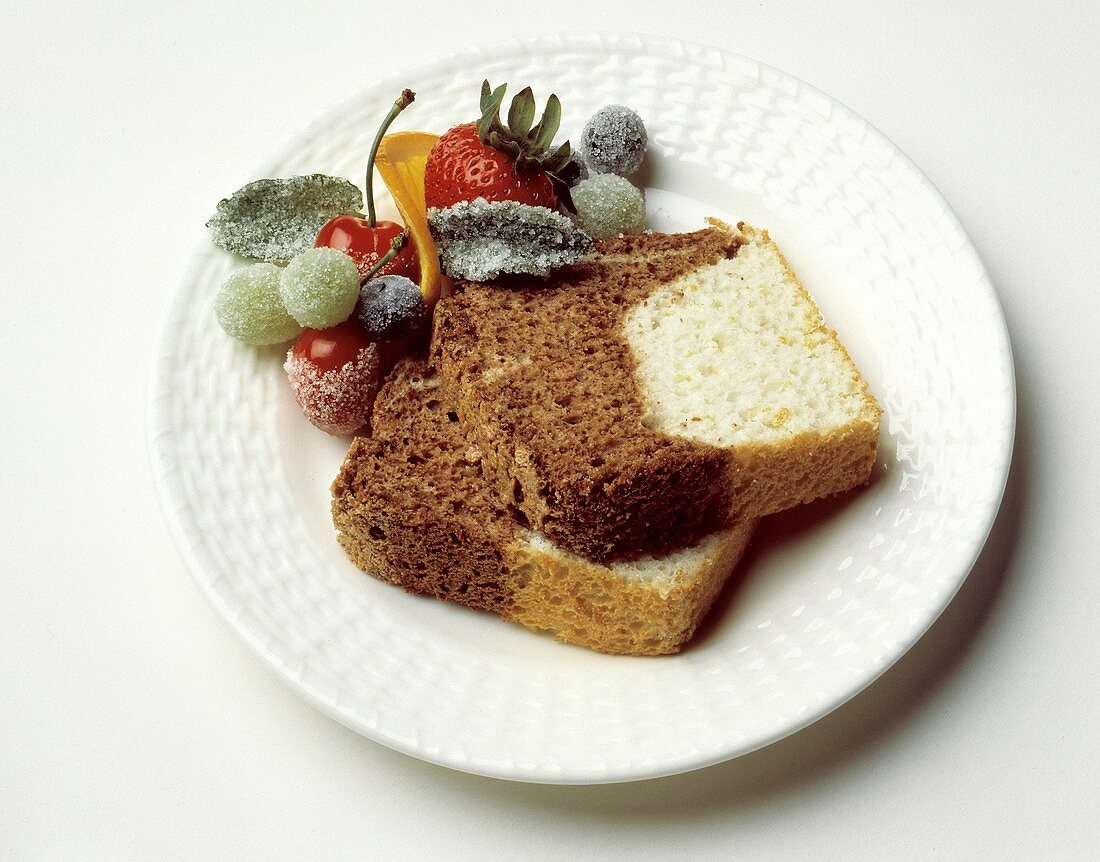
[(166, 492)]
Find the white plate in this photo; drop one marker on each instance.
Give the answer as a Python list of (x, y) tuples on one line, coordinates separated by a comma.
[(828, 598)]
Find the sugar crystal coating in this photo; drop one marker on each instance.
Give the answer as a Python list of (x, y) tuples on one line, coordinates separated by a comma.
[(249, 308), (608, 205), (479, 240), (275, 219), (614, 141), (391, 307), (339, 401), (319, 287)]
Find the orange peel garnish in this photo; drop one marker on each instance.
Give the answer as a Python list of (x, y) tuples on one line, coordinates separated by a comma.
[(401, 160)]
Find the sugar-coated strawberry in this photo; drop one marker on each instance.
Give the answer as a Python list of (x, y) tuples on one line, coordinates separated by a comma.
[(499, 162), (461, 168)]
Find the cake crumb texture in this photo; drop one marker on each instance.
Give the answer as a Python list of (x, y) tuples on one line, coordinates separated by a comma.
[(412, 507), (671, 385)]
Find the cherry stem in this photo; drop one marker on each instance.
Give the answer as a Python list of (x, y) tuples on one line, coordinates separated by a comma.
[(395, 248), (403, 101)]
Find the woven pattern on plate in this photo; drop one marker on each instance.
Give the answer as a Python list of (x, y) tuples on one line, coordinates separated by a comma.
[(385, 664)]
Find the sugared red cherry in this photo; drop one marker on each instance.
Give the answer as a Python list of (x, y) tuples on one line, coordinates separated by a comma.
[(366, 240), (332, 348), (335, 374), (367, 245)]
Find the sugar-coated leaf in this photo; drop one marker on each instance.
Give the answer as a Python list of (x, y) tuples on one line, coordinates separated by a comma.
[(479, 240), (275, 219)]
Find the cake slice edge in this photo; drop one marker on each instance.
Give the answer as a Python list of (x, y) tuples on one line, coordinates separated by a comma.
[(433, 526)]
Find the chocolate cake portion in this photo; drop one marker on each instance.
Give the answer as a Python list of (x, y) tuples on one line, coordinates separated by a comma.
[(593, 453), (546, 384), (411, 504), (669, 385), (412, 507)]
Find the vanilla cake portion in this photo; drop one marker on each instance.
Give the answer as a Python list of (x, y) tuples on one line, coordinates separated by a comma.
[(412, 507), (791, 375), (665, 387)]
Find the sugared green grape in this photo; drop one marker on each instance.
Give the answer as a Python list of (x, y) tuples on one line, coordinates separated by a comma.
[(319, 287), (248, 307), (608, 205)]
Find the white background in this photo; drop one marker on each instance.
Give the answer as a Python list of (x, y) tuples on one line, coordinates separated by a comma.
[(133, 725)]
